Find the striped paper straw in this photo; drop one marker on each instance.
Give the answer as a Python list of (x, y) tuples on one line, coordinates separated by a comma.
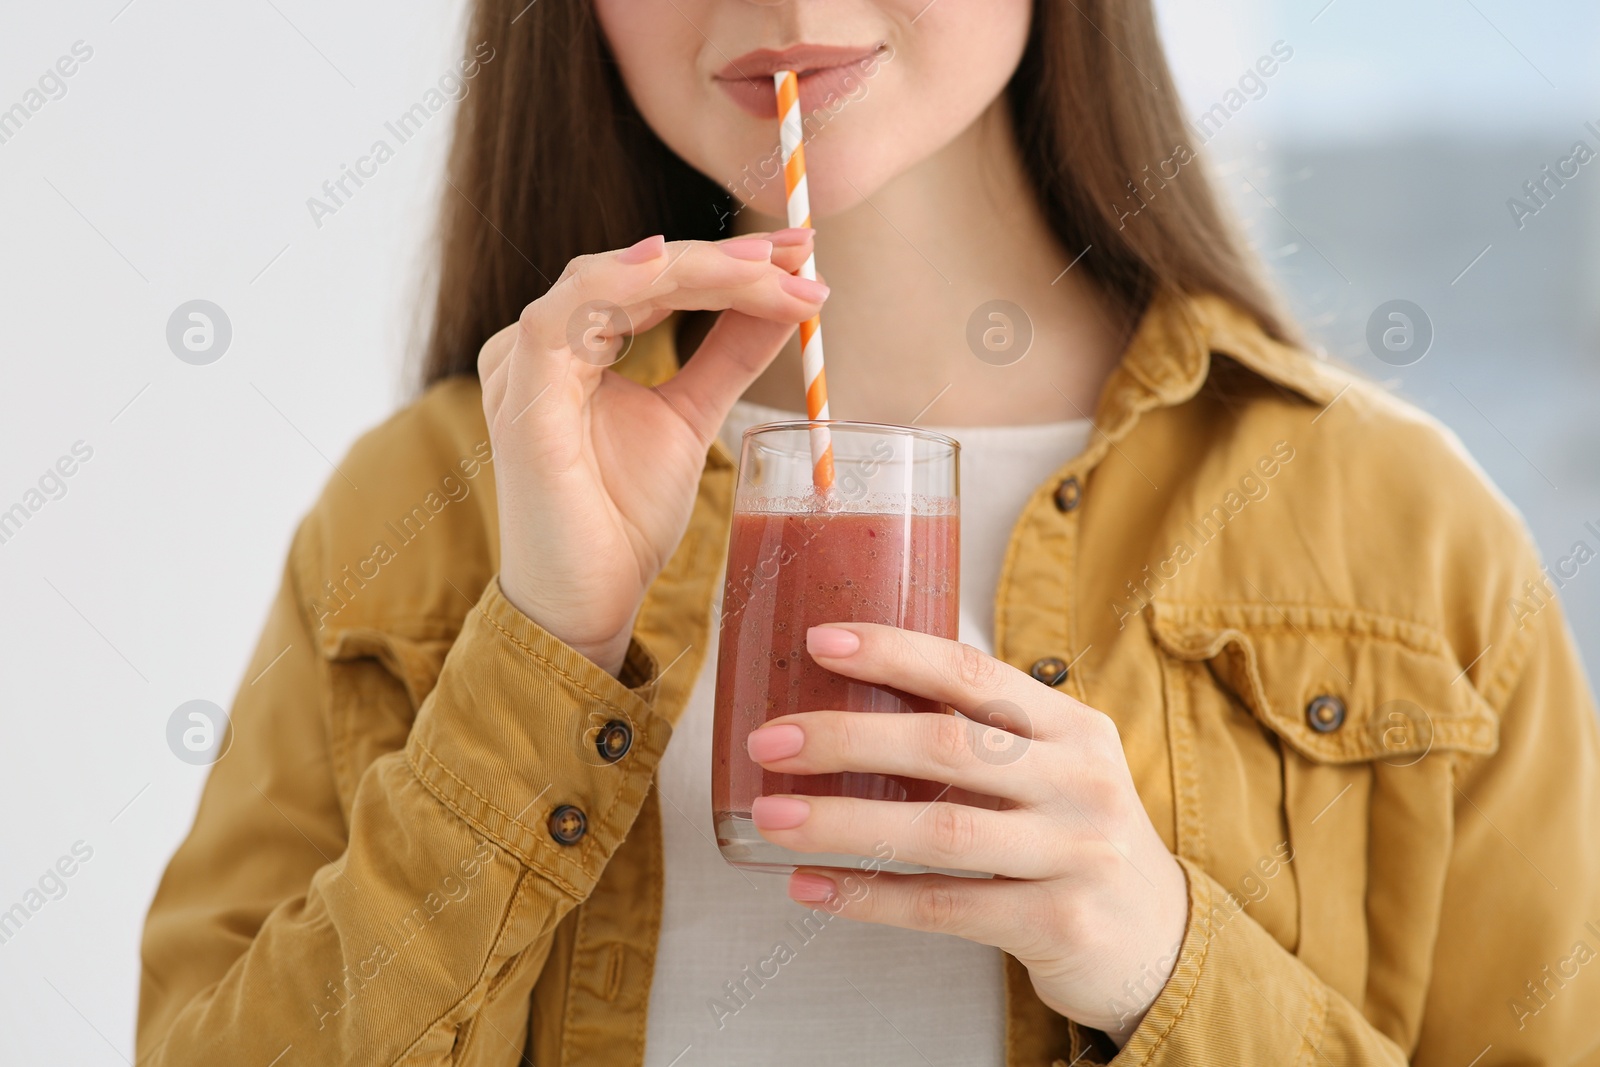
[(791, 137)]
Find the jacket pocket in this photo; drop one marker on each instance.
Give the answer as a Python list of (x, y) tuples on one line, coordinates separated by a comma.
[(1322, 742), (377, 680), (1393, 688)]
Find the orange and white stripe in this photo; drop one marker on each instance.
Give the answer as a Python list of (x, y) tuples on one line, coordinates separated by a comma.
[(791, 138)]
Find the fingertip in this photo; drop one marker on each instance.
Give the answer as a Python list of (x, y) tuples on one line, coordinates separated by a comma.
[(643, 251), (754, 249), (808, 888), (775, 742), (779, 812), (803, 288), (791, 237), (832, 641)]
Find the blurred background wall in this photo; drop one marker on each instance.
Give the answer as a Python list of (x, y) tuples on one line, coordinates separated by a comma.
[(1374, 164)]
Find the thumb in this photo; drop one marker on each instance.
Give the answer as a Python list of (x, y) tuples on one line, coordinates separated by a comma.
[(733, 355)]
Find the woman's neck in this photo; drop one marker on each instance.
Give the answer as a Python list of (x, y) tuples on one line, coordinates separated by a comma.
[(911, 266)]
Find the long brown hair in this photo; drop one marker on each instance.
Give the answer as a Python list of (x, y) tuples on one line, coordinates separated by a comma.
[(551, 160)]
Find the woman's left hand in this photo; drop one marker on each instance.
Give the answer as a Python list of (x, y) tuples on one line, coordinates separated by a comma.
[(1089, 898)]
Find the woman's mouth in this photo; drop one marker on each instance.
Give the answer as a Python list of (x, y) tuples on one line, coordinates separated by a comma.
[(826, 72)]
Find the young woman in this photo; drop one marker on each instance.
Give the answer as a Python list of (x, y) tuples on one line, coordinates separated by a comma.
[(1304, 768)]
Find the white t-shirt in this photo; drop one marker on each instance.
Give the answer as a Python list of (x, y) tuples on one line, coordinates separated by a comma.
[(743, 974)]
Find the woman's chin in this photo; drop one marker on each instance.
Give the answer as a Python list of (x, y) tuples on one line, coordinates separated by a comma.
[(768, 211), (837, 190)]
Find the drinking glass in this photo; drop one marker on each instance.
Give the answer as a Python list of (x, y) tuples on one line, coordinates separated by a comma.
[(882, 544)]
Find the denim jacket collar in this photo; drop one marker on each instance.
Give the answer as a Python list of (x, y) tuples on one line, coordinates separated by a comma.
[(1167, 361)]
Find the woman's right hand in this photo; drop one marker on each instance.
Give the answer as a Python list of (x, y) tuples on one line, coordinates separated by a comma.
[(596, 474)]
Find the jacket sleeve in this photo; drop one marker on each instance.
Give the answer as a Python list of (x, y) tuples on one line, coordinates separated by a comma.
[(1516, 975), (377, 936)]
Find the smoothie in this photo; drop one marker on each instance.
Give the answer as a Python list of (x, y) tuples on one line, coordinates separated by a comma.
[(792, 569)]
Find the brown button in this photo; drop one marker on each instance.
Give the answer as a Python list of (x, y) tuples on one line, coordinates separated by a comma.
[(1067, 494), (1050, 670), (1325, 714), (614, 740), (568, 824)]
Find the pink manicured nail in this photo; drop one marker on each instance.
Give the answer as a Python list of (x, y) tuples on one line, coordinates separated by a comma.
[(794, 235), (779, 813), (775, 742), (831, 641), (644, 251), (810, 888), (747, 248), (804, 288)]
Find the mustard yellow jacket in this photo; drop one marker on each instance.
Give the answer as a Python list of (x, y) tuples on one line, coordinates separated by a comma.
[(1347, 693)]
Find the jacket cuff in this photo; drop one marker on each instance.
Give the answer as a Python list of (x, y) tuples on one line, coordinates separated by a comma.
[(536, 746), (1235, 995)]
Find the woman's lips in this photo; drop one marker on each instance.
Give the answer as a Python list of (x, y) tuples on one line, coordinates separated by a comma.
[(825, 72)]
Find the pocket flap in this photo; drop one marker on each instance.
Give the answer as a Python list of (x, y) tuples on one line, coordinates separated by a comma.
[(378, 681), (1397, 691), (415, 660)]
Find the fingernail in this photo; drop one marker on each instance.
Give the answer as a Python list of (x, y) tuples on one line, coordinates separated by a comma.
[(831, 641), (779, 813), (747, 248), (775, 742), (810, 888), (794, 235), (804, 288), (643, 251)]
